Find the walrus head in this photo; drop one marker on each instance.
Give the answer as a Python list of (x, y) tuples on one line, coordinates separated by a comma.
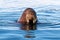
[(28, 16)]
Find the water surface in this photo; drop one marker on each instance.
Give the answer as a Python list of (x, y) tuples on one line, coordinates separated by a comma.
[(47, 27)]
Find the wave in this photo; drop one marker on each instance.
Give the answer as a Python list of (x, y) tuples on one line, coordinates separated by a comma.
[(45, 9)]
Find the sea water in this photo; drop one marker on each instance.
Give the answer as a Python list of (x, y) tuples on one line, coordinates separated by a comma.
[(47, 27)]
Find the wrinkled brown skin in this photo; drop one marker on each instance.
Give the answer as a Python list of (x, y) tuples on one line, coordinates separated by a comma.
[(23, 19)]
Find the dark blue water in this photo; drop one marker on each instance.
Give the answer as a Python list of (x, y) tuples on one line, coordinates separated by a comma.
[(47, 27)]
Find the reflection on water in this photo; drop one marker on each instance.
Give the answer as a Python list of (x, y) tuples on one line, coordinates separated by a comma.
[(29, 34), (29, 28)]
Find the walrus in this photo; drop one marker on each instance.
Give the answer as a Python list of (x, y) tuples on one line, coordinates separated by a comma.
[(28, 17)]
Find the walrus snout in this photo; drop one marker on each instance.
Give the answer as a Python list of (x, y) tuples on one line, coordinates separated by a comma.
[(28, 16)]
